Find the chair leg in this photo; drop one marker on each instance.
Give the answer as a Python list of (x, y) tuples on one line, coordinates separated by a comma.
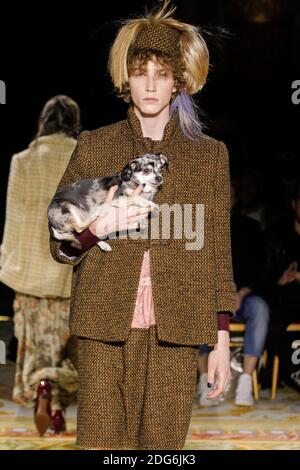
[(275, 377), (255, 384), (264, 359), (262, 363)]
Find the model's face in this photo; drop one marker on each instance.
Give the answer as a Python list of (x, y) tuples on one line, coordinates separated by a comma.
[(151, 88)]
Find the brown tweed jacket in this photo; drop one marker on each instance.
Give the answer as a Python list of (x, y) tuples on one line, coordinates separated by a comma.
[(189, 286)]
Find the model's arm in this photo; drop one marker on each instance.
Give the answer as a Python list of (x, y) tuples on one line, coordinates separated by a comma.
[(111, 220), (225, 285), (79, 167), (218, 361)]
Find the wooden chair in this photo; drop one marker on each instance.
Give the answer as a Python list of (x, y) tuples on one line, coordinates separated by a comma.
[(241, 328), (5, 318), (290, 327)]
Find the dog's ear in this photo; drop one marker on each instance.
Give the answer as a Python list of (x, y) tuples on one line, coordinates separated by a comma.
[(128, 169), (126, 172), (164, 160)]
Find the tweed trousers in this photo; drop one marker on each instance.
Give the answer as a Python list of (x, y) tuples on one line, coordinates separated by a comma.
[(136, 394)]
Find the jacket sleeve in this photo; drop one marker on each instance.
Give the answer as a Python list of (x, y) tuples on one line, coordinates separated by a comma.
[(79, 168), (14, 211), (225, 285)]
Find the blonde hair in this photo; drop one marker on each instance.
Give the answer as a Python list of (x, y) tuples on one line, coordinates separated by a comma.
[(194, 51)]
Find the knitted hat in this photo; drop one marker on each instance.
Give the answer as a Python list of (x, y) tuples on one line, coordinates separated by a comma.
[(159, 37)]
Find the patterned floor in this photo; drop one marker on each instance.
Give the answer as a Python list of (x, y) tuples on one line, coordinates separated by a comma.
[(268, 425)]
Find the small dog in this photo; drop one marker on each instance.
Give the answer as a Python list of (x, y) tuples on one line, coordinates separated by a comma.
[(76, 206)]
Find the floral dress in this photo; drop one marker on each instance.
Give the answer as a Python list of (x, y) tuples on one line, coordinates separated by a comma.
[(45, 350)]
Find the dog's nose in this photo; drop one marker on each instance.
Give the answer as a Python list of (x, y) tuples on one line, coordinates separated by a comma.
[(158, 178)]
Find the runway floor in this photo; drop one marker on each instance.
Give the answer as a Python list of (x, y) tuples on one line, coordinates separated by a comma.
[(265, 426)]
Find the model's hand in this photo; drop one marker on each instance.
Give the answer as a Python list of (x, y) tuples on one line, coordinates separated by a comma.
[(240, 295), (112, 219), (297, 276), (289, 275), (219, 365)]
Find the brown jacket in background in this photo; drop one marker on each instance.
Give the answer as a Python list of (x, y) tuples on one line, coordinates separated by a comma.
[(189, 286)]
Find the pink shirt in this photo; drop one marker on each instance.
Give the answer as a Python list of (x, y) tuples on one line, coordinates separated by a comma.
[(143, 315)]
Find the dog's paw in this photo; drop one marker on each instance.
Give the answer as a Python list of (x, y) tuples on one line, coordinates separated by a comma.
[(104, 246), (140, 201), (137, 201), (121, 201)]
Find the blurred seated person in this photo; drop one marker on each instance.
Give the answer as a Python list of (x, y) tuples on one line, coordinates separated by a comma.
[(251, 196), (251, 308), (281, 281)]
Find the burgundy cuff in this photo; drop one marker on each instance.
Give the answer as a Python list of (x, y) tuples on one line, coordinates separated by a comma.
[(223, 321), (69, 250), (87, 240)]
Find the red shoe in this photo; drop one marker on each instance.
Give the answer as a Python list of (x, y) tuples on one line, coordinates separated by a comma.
[(58, 422), (42, 410)]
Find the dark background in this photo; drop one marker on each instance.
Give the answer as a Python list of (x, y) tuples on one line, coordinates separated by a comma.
[(62, 48)]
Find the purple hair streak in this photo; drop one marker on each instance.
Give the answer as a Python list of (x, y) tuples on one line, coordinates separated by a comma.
[(190, 122)]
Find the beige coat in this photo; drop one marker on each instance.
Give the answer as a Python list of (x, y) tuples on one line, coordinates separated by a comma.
[(189, 286), (26, 264)]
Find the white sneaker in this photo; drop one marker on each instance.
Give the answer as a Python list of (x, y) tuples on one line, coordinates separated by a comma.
[(244, 391), (202, 391)]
